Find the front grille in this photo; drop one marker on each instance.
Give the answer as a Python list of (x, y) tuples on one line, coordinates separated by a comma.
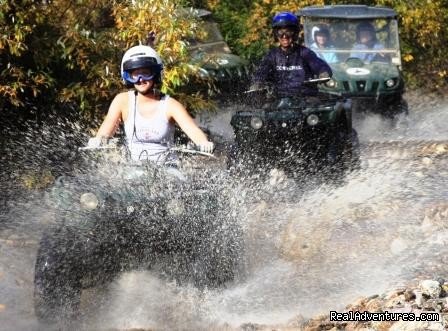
[(360, 85)]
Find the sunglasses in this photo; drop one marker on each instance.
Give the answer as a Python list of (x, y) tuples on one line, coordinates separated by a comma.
[(284, 34)]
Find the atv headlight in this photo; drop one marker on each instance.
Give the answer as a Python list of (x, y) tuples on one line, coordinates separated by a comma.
[(89, 201), (256, 123), (390, 82), (175, 207), (204, 74), (331, 83), (312, 120), (222, 61)]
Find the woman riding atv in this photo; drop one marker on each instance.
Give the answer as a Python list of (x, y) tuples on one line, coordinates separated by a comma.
[(148, 115)]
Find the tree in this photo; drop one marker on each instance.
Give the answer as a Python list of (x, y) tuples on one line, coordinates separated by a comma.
[(65, 52)]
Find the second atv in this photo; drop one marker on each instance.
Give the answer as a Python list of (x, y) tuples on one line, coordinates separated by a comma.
[(311, 134)]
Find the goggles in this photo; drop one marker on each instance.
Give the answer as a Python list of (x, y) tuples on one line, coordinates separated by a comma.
[(134, 78), (284, 33)]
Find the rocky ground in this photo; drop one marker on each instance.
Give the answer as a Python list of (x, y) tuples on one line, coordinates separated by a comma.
[(424, 296), (416, 299)]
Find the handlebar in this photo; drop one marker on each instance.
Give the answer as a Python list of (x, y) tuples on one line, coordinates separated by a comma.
[(269, 88), (189, 150), (88, 148), (260, 89), (101, 144), (111, 144), (317, 80)]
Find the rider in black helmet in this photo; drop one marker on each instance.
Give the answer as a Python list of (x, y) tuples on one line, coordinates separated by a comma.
[(286, 67), (366, 42)]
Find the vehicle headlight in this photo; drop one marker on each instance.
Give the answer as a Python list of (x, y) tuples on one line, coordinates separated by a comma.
[(175, 207), (89, 201), (390, 82), (256, 123), (312, 120), (204, 74), (222, 61), (331, 83)]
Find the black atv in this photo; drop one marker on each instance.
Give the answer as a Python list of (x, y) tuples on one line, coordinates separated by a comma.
[(123, 216), (311, 135)]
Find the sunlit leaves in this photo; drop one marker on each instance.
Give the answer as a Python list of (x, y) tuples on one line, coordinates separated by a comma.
[(423, 30), (71, 50), (16, 26), (46, 44), (408, 57)]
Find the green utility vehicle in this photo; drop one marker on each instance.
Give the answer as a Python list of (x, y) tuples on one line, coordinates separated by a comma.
[(368, 73)]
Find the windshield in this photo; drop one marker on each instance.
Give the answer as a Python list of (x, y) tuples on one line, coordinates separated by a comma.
[(212, 42), (336, 40)]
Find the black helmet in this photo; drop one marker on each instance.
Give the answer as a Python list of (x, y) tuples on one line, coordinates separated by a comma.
[(285, 20), (365, 26)]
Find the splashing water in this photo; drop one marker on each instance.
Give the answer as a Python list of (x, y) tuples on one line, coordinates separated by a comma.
[(306, 255)]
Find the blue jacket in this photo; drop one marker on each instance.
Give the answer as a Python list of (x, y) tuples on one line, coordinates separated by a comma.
[(287, 70)]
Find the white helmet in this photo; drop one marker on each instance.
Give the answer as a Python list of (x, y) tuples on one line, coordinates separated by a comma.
[(321, 29), (141, 57)]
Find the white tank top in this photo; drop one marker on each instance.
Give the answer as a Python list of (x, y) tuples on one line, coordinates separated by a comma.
[(148, 139)]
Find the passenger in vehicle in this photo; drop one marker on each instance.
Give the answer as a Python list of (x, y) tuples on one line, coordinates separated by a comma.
[(322, 41), (288, 66), (366, 41), (148, 115)]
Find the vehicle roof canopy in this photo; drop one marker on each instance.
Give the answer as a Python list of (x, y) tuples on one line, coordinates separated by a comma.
[(348, 12)]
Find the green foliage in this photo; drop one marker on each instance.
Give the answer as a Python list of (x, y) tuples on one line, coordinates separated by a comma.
[(16, 27), (424, 27), (232, 16), (69, 52)]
